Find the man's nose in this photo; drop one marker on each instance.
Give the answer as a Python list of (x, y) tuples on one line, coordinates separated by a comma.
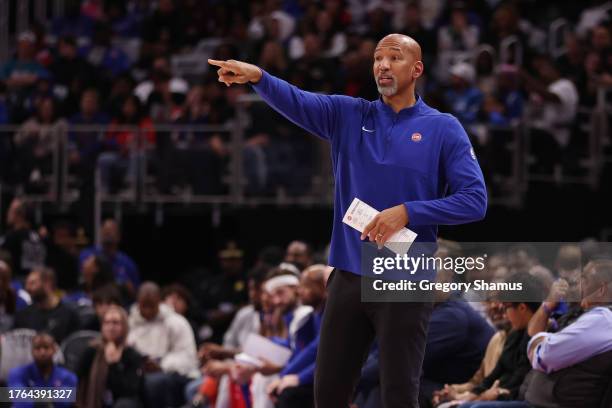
[(384, 65)]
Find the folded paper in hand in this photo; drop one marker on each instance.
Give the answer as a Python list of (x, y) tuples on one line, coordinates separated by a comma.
[(257, 347), (359, 214)]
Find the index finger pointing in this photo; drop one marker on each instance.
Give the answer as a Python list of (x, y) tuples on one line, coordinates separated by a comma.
[(217, 63)]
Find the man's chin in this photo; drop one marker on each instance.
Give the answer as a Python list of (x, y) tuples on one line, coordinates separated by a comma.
[(387, 90)]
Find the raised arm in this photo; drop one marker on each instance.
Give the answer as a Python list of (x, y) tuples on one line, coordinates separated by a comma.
[(314, 112)]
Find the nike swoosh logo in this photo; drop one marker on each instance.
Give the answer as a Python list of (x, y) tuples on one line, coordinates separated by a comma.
[(367, 130)]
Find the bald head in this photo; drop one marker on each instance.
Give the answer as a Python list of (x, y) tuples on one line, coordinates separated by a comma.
[(316, 274), (149, 297), (149, 290), (397, 66), (312, 286), (401, 41)]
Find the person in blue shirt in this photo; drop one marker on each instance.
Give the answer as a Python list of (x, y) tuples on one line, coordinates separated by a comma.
[(124, 268), (464, 98), (407, 160), (294, 387), (43, 372)]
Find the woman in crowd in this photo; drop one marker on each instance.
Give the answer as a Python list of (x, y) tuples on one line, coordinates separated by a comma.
[(109, 371)]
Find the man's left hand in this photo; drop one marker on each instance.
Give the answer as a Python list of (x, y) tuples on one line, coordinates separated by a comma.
[(385, 224)]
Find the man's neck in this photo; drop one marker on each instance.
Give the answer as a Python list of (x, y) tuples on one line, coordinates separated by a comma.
[(398, 102), (45, 370)]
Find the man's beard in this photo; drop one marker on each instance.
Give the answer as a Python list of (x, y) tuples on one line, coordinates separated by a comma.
[(387, 90)]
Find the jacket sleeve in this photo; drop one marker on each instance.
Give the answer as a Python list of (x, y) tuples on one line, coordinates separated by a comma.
[(448, 332), (303, 362), (125, 375), (181, 356), (467, 195), (317, 113)]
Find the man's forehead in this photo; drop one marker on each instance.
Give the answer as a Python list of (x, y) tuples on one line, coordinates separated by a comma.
[(393, 45)]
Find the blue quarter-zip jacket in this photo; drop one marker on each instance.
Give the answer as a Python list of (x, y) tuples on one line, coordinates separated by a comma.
[(418, 157)]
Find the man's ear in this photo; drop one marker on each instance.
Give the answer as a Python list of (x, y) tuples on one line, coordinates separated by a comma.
[(417, 70)]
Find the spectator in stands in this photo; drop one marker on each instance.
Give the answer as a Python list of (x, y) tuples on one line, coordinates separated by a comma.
[(109, 371), (36, 143), (456, 341), (496, 313), (166, 341), (357, 65), (180, 300), (191, 157), (311, 71), (84, 146), (299, 253), (102, 299), (412, 25), (125, 270), (72, 22), (464, 99), (504, 381), (22, 72), (378, 19), (128, 133), (96, 272), (224, 293), (215, 358), (294, 387), (71, 71), (123, 23), (562, 306), (577, 359), (288, 323), (505, 105), (43, 372), (554, 102), (162, 31), (9, 301), (589, 335), (504, 24), (165, 97), (121, 88), (23, 243), (455, 40), (103, 54), (272, 58), (62, 254), (160, 68), (47, 311)]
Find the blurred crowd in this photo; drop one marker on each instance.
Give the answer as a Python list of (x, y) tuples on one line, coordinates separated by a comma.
[(131, 66), (75, 315)]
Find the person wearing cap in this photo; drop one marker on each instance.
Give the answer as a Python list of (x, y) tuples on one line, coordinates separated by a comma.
[(464, 99), (23, 71), (410, 162), (222, 294)]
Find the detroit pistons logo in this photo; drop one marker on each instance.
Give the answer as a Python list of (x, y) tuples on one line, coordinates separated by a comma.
[(416, 137)]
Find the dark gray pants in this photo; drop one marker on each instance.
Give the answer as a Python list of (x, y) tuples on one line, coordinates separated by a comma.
[(348, 329)]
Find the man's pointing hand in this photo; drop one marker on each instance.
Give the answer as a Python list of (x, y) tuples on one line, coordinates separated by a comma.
[(236, 72)]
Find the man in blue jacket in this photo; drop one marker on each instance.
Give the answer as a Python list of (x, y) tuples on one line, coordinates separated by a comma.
[(407, 160), (43, 372)]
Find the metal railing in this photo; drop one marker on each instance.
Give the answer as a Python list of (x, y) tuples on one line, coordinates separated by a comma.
[(63, 184)]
